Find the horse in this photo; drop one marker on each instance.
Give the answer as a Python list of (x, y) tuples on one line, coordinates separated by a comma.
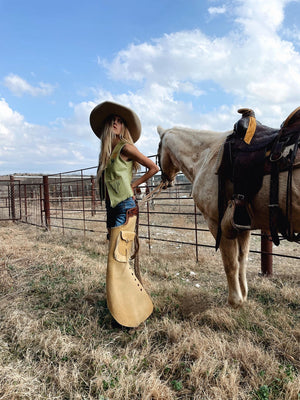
[(196, 153)]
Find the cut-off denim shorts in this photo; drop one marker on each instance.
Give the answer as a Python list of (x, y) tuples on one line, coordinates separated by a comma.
[(116, 216)]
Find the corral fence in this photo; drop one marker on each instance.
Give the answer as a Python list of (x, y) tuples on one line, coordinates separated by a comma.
[(69, 201)]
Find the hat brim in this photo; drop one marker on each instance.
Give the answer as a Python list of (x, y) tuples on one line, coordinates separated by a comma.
[(102, 111)]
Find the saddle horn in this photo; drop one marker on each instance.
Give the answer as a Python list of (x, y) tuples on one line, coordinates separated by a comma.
[(246, 112)]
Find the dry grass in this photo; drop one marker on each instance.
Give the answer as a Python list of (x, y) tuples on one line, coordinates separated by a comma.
[(58, 340)]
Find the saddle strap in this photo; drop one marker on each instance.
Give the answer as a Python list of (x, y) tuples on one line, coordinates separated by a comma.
[(274, 208), (277, 221), (221, 197), (135, 256), (290, 232)]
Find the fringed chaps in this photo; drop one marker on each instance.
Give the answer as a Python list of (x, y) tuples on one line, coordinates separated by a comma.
[(127, 299)]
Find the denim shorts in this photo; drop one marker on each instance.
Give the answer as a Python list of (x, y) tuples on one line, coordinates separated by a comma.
[(116, 216)]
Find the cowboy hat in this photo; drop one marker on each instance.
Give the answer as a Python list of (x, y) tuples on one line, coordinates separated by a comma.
[(102, 111)]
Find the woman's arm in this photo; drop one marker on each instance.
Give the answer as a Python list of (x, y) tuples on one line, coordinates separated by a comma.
[(132, 153)]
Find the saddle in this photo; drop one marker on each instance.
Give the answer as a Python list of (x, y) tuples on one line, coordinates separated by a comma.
[(250, 152)]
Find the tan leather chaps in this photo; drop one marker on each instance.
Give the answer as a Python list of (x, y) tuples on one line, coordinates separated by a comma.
[(127, 300)]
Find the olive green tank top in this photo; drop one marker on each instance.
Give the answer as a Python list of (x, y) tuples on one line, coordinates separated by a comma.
[(118, 176)]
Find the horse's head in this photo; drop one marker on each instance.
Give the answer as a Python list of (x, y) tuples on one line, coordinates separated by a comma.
[(167, 166)]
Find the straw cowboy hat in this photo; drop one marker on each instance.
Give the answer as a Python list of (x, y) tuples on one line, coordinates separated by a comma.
[(107, 108)]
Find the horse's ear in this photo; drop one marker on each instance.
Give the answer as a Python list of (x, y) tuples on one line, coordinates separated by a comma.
[(160, 130)]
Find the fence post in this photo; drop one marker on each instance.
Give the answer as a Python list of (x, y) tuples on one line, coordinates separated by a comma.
[(61, 204), (83, 204), (41, 204), (148, 219), (196, 231), (12, 197), (266, 254), (20, 201), (46, 201), (93, 195), (25, 201)]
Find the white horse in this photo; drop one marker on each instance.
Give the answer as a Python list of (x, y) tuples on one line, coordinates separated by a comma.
[(195, 153)]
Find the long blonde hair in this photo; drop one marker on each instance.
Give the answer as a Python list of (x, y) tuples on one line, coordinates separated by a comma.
[(106, 145)]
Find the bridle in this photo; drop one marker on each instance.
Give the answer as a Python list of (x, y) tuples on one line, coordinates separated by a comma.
[(164, 177), (165, 181)]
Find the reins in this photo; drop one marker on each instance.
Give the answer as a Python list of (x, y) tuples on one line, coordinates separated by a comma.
[(155, 192)]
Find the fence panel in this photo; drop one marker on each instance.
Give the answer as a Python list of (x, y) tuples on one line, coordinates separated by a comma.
[(10, 199), (70, 201)]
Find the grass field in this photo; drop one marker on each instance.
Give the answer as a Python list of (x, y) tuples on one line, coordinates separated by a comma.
[(58, 340)]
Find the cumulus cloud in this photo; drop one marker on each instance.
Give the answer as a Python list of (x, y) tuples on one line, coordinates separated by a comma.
[(19, 86), (10, 121), (26, 147), (251, 62), (173, 76)]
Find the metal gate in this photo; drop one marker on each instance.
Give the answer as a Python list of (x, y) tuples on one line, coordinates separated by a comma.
[(10, 202)]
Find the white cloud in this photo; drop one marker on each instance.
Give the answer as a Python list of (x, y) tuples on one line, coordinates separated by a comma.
[(266, 16), (217, 10), (252, 63), (26, 147), (19, 86), (173, 74), (7, 115), (10, 121)]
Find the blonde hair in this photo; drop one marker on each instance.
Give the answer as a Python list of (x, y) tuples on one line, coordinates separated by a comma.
[(106, 145)]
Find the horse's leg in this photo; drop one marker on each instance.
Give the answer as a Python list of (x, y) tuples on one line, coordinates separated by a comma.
[(230, 255), (244, 244), (230, 251)]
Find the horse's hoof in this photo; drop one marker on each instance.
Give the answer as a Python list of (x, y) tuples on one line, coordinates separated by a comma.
[(235, 303)]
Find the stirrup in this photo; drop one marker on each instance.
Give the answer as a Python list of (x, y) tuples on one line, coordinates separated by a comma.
[(242, 214), (231, 227)]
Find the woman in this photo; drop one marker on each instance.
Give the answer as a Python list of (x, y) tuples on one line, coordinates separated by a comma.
[(119, 128)]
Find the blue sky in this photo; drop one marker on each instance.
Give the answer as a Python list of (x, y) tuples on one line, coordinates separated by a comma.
[(175, 62)]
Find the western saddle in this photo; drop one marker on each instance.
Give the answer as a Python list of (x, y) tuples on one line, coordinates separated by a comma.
[(250, 152)]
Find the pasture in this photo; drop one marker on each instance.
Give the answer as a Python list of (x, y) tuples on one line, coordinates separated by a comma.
[(58, 340)]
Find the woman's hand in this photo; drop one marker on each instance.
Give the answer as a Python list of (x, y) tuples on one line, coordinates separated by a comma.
[(132, 153)]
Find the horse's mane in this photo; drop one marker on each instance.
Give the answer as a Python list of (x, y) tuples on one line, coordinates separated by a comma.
[(205, 133), (214, 138)]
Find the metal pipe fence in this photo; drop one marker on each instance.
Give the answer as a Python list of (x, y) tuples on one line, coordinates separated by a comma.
[(69, 201)]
